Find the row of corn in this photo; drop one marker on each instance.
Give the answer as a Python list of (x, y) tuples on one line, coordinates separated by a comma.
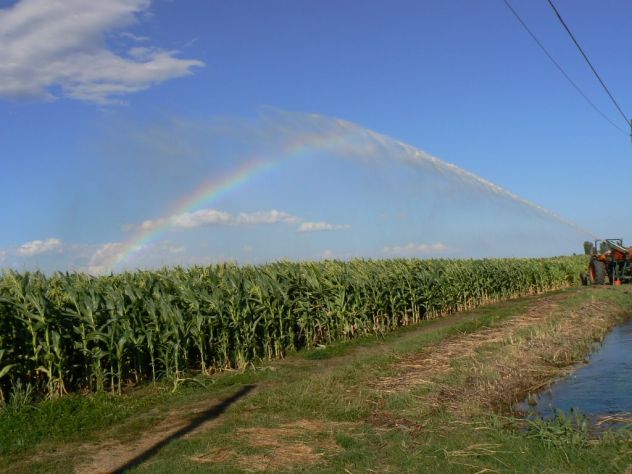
[(75, 332)]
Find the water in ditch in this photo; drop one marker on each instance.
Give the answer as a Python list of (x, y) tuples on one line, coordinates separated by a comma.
[(601, 388)]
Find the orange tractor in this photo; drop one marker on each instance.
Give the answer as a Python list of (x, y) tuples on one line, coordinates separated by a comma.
[(610, 260)]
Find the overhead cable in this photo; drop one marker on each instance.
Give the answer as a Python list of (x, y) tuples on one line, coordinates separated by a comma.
[(559, 17), (557, 65)]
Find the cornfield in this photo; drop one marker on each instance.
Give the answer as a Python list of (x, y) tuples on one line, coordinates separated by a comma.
[(75, 332)]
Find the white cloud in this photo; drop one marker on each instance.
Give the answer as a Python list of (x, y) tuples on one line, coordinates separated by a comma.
[(266, 217), (328, 253), (38, 247), (46, 44), (104, 254), (203, 217), (132, 36), (414, 249), (321, 226), (189, 220)]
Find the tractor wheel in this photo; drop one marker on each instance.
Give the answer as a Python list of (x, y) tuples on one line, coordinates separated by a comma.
[(598, 272)]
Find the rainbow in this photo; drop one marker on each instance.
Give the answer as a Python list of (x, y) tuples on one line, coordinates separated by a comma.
[(211, 190), (342, 137)]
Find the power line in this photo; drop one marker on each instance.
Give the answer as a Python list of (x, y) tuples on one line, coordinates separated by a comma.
[(559, 17), (557, 65)]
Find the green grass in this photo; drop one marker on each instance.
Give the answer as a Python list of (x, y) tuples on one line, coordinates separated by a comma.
[(365, 430)]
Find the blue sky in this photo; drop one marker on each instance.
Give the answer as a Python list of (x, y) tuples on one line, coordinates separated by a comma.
[(111, 112)]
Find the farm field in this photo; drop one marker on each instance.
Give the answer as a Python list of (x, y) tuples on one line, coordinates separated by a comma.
[(74, 332), (431, 396)]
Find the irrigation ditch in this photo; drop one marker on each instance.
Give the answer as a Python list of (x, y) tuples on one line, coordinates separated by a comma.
[(599, 388)]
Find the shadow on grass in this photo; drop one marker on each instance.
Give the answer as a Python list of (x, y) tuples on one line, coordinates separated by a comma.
[(203, 417)]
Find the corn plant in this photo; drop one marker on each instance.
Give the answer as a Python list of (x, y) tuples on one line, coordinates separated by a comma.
[(74, 332)]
